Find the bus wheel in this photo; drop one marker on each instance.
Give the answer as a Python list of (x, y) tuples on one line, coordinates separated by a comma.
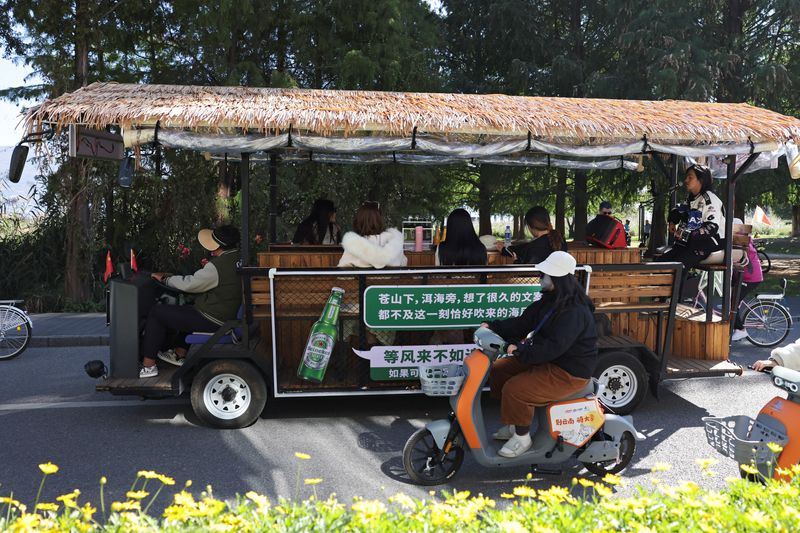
[(228, 394)]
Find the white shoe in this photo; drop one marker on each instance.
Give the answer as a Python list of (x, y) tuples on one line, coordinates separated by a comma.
[(148, 372), (738, 334), (171, 357), (504, 433), (516, 446)]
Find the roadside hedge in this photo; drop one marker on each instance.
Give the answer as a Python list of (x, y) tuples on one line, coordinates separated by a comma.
[(586, 506)]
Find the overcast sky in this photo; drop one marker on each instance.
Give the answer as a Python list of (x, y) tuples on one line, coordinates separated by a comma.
[(11, 75)]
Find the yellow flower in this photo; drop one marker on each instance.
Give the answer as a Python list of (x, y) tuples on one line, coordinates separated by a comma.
[(512, 527), (69, 499), (461, 495), (368, 510), (137, 494), (184, 498), (147, 474), (706, 463), (10, 501), (602, 490), (301, 455), (507, 496), (258, 499), (403, 500), (47, 507), (26, 522), (586, 482), (312, 481), (611, 479), (166, 480), (178, 513), (758, 519), (103, 480), (87, 511), (48, 468), (749, 469), (661, 467), (125, 506), (715, 501), (525, 492), (774, 447)]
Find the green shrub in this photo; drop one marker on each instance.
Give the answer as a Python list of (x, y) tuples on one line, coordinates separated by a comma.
[(587, 506)]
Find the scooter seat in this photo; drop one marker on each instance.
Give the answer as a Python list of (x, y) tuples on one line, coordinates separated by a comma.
[(589, 390)]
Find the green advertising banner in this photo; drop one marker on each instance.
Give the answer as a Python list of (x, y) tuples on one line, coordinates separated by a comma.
[(422, 307), (389, 363)]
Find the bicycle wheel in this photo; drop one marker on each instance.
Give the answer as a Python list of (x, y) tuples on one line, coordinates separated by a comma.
[(764, 260), (15, 332), (767, 323)]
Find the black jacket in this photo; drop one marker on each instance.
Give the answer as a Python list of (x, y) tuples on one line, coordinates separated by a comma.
[(535, 251), (567, 339)]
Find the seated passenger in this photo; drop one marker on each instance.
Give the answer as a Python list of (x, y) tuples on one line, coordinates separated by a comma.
[(752, 276), (546, 239), (370, 244), (787, 356), (320, 226), (553, 349), (698, 225), (219, 290), (462, 247)]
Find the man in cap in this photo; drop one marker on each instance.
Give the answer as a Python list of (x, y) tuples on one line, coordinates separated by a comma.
[(219, 296)]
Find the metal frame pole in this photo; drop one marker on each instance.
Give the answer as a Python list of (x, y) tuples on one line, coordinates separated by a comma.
[(273, 198), (244, 174)]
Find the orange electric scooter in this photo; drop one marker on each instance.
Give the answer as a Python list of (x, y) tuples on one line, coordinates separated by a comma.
[(574, 427), (747, 441)]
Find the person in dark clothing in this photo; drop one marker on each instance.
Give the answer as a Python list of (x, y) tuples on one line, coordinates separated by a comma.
[(219, 296), (553, 348), (462, 247), (699, 224), (320, 226), (546, 239)]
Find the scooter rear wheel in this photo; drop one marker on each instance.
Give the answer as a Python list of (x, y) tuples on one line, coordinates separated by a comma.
[(421, 459), (627, 447)]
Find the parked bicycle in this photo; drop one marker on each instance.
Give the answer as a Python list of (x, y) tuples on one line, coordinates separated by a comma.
[(765, 319), (16, 329)]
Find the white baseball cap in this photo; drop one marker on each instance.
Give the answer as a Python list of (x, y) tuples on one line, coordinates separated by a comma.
[(557, 264)]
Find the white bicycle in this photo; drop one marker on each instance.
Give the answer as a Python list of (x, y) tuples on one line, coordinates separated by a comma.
[(16, 328)]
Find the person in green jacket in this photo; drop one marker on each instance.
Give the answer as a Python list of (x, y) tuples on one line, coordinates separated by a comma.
[(219, 296)]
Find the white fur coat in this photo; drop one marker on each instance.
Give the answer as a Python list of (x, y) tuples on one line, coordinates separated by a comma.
[(376, 251), (788, 356)]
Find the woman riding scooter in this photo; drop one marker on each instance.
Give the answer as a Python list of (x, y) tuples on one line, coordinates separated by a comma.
[(553, 348)]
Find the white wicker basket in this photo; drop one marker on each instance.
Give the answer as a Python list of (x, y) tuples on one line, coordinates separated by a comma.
[(441, 380)]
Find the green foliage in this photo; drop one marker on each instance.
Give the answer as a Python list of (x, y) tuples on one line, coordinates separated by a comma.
[(587, 506)]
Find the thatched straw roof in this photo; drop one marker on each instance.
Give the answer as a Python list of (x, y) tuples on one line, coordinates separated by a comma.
[(327, 112)]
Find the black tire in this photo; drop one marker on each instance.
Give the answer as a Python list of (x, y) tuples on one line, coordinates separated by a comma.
[(627, 445), (421, 459), (15, 332), (767, 324), (228, 394), (763, 258), (624, 379)]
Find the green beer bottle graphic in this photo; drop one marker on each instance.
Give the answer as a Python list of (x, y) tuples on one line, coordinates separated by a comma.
[(321, 340)]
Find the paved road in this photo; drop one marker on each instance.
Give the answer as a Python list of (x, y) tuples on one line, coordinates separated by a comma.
[(50, 412)]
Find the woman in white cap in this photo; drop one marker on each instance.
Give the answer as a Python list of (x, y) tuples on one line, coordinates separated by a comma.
[(553, 348), (219, 290)]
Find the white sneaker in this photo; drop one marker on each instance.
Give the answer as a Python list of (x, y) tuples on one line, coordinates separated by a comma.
[(171, 357), (504, 433), (738, 334), (516, 446), (148, 372)]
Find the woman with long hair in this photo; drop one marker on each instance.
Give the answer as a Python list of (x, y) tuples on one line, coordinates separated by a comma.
[(371, 244), (552, 349), (546, 239), (320, 226), (462, 246), (699, 224)]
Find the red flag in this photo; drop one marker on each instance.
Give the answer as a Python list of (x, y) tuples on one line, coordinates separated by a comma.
[(134, 266), (109, 268)]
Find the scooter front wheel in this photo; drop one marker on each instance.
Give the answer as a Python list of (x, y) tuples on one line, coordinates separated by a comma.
[(425, 463), (627, 446)]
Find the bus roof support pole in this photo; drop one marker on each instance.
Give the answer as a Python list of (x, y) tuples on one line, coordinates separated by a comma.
[(273, 198), (673, 180), (244, 173)]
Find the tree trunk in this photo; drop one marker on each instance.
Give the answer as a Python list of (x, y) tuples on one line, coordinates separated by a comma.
[(581, 205), (484, 201), (561, 194), (796, 221)]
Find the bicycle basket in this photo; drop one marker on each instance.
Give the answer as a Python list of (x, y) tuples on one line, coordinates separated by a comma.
[(443, 380), (744, 440)]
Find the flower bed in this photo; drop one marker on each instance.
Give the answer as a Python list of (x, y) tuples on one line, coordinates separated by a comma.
[(586, 506)]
